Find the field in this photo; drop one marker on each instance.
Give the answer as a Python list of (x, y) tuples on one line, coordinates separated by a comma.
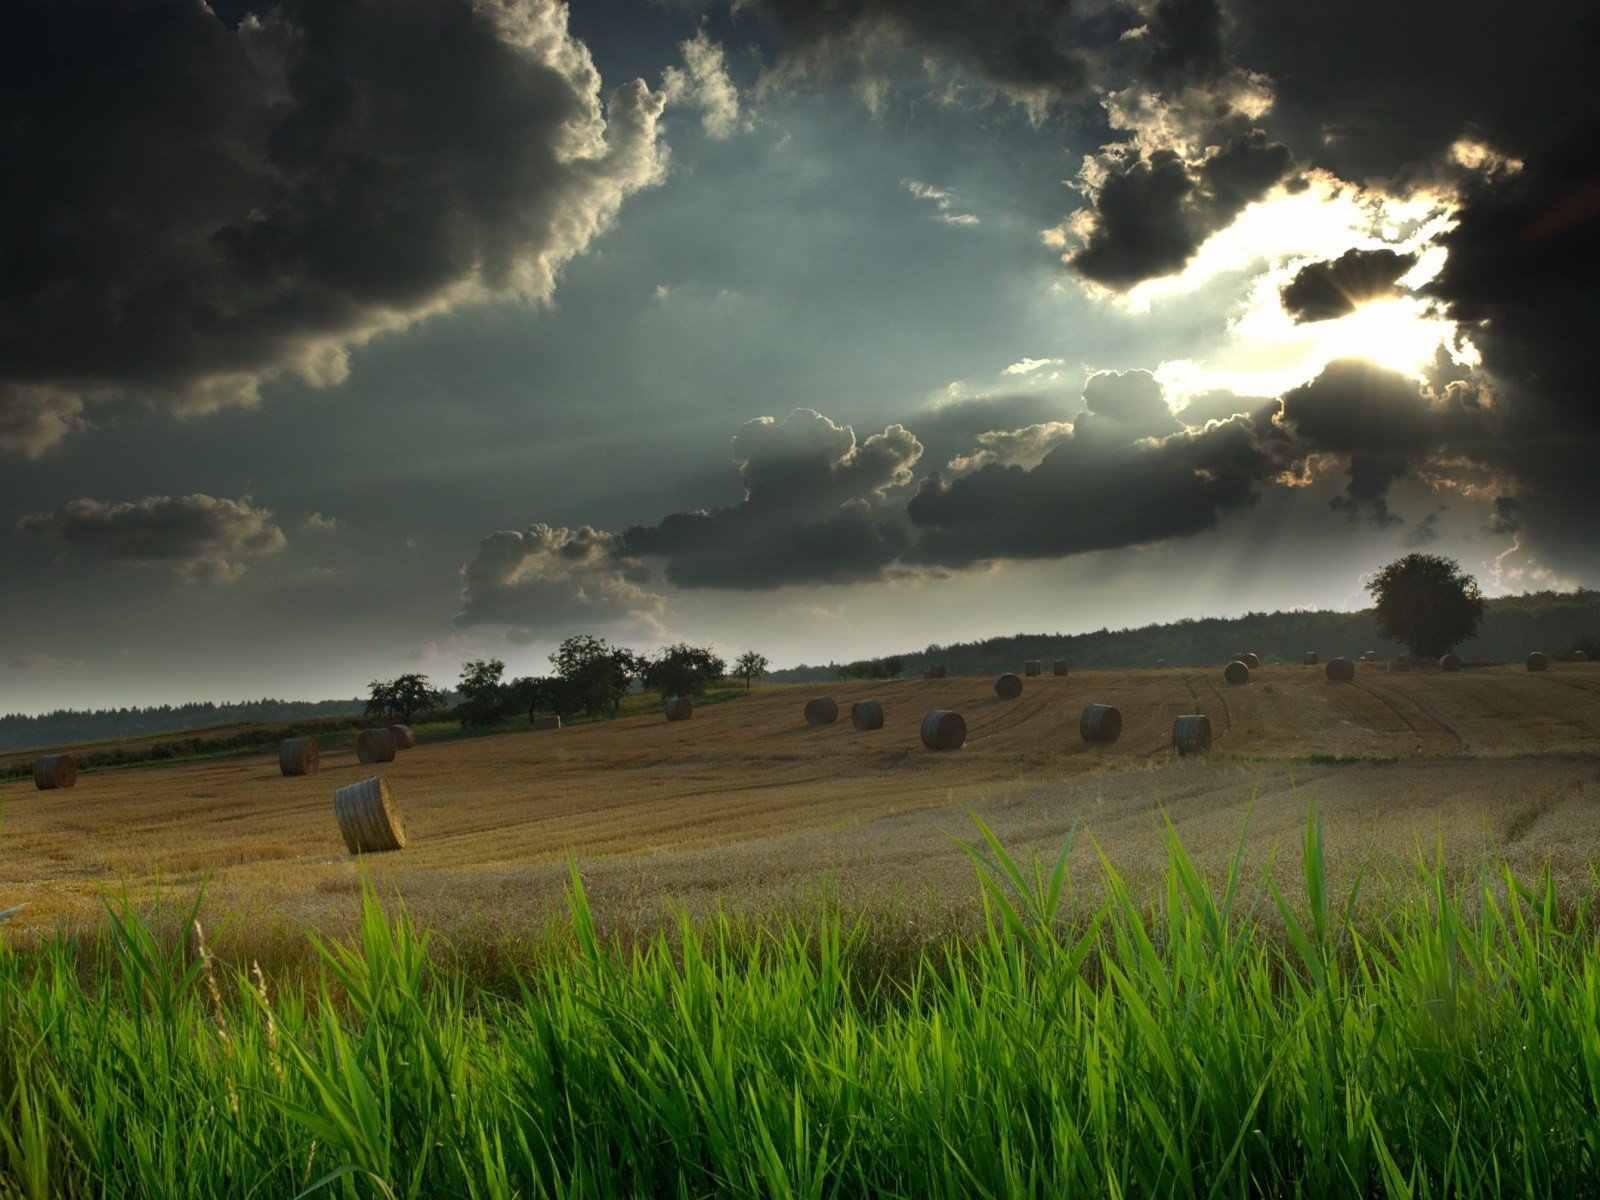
[(1141, 977), (747, 806)]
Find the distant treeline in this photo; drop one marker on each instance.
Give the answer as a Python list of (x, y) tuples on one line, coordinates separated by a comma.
[(1512, 626), (67, 727)]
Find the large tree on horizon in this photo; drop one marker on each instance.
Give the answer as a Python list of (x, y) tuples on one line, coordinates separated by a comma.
[(1426, 603)]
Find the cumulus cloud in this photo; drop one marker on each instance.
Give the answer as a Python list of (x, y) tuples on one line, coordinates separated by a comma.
[(1129, 475), (545, 581), (317, 523), (1151, 210), (189, 209), (199, 538), (703, 82), (1323, 291), (1382, 423), (815, 510)]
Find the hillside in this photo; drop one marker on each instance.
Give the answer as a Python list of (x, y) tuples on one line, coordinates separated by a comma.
[(1512, 626)]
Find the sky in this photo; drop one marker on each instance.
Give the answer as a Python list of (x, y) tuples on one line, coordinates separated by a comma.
[(341, 338)]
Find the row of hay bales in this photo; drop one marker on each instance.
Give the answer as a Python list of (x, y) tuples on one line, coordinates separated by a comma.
[(300, 756)]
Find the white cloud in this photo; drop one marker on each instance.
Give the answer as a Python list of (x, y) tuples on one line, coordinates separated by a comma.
[(703, 82), (943, 201)]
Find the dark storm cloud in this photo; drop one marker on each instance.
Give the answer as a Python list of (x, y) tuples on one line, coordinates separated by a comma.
[(543, 580), (199, 537), (1130, 475), (1032, 50), (1153, 211), (815, 510), (188, 209), (1322, 291), (1383, 423)]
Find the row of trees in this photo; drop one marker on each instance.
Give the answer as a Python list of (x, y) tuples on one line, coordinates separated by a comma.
[(588, 675)]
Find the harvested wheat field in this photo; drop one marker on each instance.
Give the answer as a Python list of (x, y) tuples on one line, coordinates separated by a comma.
[(747, 804)]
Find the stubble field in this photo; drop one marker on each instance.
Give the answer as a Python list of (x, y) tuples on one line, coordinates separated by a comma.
[(747, 807)]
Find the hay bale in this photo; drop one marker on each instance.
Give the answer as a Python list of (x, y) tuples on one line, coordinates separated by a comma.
[(1340, 670), (1536, 661), (944, 730), (1236, 672), (404, 739), (552, 722), (369, 818), (55, 771), (1059, 667), (1399, 664), (375, 746), (1100, 723), (1249, 659), (1311, 658), (1161, 664), (1370, 656), (1192, 734), (679, 708), (1033, 667), (866, 714), (299, 756), (1580, 656), (939, 672), (1450, 662), (821, 711), (1008, 687)]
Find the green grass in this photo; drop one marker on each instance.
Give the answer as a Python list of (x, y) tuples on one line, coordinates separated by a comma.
[(1184, 1047)]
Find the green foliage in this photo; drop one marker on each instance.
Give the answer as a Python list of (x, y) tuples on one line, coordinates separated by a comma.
[(874, 668), (591, 676), (66, 727), (1426, 603), (485, 698), (749, 666), (403, 699), (1587, 642), (1187, 1046), (683, 670)]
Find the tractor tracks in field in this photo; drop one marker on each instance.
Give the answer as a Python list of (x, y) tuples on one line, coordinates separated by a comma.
[(1436, 722)]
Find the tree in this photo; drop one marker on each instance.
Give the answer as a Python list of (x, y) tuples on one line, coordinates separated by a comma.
[(485, 699), (1424, 602), (750, 665), (594, 675), (403, 698), (683, 670), (873, 668)]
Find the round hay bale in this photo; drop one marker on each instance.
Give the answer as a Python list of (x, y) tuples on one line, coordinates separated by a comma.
[(679, 708), (939, 672), (1192, 734), (1161, 664), (1580, 656), (1033, 667), (55, 771), (1236, 672), (375, 746), (1536, 661), (821, 711), (1399, 664), (1450, 662), (1100, 723), (369, 818), (1250, 660), (550, 722), (1008, 687), (299, 756), (1059, 667), (944, 730), (404, 739), (1311, 658), (1340, 670), (866, 714), (1370, 656)]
